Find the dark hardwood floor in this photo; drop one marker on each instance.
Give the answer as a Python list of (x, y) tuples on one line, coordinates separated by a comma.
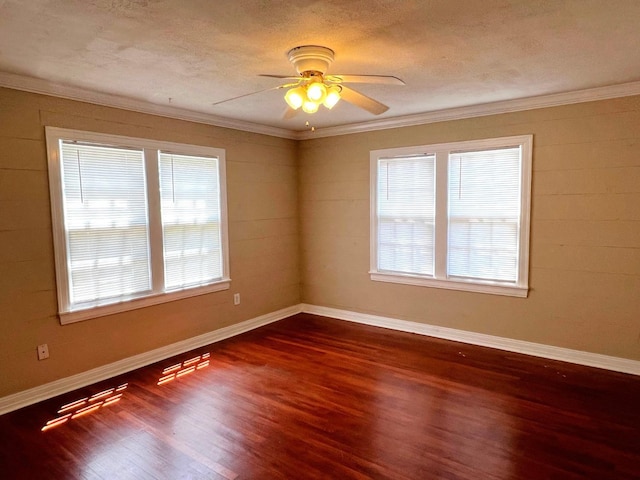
[(315, 398)]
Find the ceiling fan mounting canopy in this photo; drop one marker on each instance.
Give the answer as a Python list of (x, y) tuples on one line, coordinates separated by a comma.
[(311, 58)]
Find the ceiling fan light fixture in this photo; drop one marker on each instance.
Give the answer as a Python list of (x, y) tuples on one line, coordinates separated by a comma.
[(295, 97), (316, 91), (313, 86), (310, 106), (333, 96)]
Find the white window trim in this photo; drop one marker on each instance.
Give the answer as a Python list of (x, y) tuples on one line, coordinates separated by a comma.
[(439, 280), (65, 311)]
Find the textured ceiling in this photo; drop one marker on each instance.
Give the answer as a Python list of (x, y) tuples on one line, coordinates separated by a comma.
[(190, 54)]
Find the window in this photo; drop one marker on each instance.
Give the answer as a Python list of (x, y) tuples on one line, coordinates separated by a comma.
[(136, 222), (453, 215)]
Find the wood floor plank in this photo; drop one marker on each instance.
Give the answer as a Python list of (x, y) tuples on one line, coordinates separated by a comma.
[(316, 398)]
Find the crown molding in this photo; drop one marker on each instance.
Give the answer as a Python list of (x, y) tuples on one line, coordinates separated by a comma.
[(35, 85), (44, 87), (505, 106)]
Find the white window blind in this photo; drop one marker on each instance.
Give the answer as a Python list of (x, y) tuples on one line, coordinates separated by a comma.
[(190, 196), (136, 222), (484, 214), (105, 217), (406, 214), (453, 215)]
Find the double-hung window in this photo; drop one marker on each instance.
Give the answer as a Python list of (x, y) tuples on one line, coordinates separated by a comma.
[(136, 222), (453, 215)]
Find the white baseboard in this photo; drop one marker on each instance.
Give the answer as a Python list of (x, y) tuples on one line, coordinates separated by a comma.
[(64, 385), (519, 346)]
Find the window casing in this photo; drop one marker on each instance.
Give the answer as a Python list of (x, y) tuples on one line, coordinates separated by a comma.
[(453, 215), (136, 222)]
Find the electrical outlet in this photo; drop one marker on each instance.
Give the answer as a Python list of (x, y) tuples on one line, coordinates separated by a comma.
[(43, 351), (236, 299)]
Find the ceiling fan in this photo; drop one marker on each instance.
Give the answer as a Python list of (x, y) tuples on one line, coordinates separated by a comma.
[(314, 87)]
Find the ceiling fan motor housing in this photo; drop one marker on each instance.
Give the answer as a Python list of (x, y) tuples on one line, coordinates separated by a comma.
[(311, 58)]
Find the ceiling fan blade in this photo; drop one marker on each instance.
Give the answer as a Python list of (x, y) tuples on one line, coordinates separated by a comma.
[(248, 94), (362, 101), (287, 77), (289, 113), (379, 79)]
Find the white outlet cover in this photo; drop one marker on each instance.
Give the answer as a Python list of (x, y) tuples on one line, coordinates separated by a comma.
[(43, 351)]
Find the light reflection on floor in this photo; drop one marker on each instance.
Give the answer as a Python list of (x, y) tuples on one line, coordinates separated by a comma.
[(104, 398), (86, 405), (184, 368)]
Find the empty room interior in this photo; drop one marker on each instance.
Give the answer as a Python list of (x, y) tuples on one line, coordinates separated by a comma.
[(319, 240)]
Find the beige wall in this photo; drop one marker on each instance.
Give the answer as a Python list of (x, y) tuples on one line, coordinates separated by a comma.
[(585, 253), (585, 230), (263, 235)]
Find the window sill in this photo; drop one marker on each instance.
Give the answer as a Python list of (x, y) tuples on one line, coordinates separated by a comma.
[(492, 288), (140, 302)]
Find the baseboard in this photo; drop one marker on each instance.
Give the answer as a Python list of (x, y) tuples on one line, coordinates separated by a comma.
[(64, 385), (528, 348)]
